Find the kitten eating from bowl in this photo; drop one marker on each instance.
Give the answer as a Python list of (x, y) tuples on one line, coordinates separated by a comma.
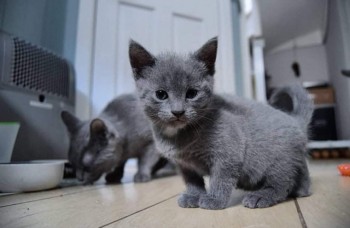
[(104, 144), (238, 143)]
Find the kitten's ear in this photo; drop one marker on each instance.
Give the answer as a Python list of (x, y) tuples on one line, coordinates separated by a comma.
[(98, 129), (140, 58), (72, 122), (207, 55)]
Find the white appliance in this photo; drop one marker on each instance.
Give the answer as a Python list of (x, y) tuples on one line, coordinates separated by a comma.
[(35, 86)]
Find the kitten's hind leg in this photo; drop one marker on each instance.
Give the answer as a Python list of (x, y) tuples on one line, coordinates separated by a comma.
[(146, 162), (279, 184), (302, 188), (265, 197)]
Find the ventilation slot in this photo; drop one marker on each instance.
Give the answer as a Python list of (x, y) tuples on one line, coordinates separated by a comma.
[(38, 70)]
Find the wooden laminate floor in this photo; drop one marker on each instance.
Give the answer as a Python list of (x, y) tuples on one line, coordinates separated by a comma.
[(154, 204)]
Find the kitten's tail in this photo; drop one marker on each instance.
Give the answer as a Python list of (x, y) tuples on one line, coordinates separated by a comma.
[(295, 101)]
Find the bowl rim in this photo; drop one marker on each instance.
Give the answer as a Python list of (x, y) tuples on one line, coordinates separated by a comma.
[(33, 162)]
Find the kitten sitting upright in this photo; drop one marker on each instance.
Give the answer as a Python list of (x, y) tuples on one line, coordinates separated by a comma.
[(237, 142), (120, 132)]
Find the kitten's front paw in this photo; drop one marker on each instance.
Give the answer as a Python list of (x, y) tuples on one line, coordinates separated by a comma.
[(252, 200), (188, 201), (211, 203), (141, 177)]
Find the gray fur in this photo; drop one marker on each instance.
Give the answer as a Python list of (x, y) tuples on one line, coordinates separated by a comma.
[(237, 142), (104, 144)]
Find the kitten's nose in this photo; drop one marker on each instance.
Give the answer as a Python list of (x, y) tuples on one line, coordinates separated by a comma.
[(178, 113)]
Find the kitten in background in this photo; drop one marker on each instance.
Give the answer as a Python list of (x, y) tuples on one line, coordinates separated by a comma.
[(104, 144), (237, 142)]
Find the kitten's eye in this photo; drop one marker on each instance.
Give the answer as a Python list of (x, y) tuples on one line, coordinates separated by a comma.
[(161, 94), (191, 93)]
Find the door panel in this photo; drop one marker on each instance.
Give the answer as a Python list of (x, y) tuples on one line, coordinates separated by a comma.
[(178, 25), (132, 22), (188, 33)]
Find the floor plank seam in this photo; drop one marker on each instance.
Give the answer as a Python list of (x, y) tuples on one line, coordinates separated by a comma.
[(136, 212), (301, 217), (51, 197)]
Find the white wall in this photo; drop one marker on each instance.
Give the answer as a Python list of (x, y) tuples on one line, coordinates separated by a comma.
[(250, 26), (313, 38), (48, 23), (23, 18), (84, 57), (312, 61), (254, 27), (335, 47)]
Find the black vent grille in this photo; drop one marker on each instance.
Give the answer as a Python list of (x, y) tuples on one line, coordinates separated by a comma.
[(38, 70)]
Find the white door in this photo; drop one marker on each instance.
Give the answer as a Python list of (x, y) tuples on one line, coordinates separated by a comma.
[(159, 25)]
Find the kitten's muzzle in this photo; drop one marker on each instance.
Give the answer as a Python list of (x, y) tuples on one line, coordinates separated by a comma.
[(178, 114), (177, 123)]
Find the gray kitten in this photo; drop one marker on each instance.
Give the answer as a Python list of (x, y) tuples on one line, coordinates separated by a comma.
[(237, 142), (105, 143)]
